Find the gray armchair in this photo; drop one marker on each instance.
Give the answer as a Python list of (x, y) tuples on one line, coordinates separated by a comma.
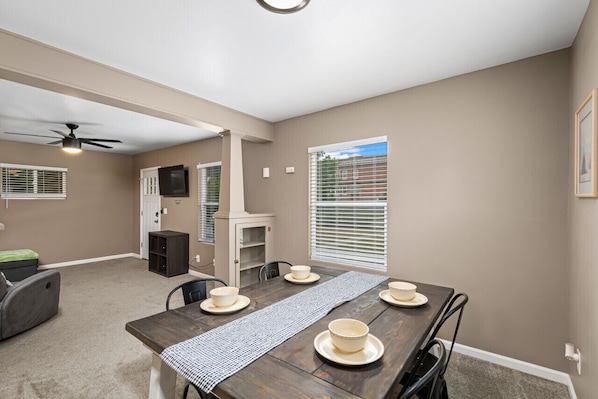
[(29, 302)]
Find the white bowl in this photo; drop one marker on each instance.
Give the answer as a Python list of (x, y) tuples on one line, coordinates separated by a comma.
[(402, 291), (300, 272), (224, 296), (348, 335)]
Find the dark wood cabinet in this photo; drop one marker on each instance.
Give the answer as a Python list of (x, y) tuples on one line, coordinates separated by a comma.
[(168, 252)]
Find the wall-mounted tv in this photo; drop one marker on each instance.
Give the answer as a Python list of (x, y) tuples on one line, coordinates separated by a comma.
[(174, 181)]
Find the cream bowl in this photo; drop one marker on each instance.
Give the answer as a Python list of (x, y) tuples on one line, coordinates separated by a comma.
[(224, 296), (402, 291), (348, 335), (300, 272)]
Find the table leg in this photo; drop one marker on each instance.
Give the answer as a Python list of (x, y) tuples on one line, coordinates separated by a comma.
[(162, 379)]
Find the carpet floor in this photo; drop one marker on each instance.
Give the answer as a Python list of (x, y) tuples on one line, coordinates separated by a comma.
[(85, 352), (470, 378)]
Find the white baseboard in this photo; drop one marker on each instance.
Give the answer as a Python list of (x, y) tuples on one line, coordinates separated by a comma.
[(199, 274), (524, 367), (90, 260)]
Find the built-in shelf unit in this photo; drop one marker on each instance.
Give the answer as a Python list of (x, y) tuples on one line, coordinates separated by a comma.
[(252, 245), (251, 249)]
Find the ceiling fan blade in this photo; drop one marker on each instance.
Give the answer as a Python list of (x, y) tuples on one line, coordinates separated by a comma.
[(60, 133), (25, 134), (85, 140), (56, 142), (96, 144)]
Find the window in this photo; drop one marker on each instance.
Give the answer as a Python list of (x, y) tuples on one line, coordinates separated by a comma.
[(32, 182), (150, 185), (349, 229), (209, 196)]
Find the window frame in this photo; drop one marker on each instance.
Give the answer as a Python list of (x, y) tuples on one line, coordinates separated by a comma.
[(202, 202), (332, 233)]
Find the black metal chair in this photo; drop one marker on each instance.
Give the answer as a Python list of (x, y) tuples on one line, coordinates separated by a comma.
[(426, 386), (455, 306), (202, 394), (271, 270), (193, 291)]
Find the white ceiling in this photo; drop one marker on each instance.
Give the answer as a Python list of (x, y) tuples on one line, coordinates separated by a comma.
[(268, 65)]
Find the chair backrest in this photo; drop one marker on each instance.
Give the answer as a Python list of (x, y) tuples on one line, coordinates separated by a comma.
[(428, 380), (456, 305), (270, 270), (193, 291)]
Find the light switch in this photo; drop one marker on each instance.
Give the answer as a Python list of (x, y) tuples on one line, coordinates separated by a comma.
[(290, 169), (266, 173)]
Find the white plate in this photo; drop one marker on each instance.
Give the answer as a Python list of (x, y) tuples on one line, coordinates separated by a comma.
[(419, 300), (372, 351), (312, 278), (241, 303)]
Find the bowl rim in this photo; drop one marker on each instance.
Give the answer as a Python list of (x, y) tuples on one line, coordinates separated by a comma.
[(358, 322), (228, 290), (402, 285), (300, 267)]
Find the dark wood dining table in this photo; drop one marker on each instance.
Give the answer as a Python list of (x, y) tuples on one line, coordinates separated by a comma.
[(294, 369)]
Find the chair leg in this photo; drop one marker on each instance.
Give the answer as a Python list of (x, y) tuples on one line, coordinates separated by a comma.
[(443, 391), (185, 389), (202, 393)]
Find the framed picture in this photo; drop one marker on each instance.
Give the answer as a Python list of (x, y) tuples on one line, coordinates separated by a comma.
[(586, 141)]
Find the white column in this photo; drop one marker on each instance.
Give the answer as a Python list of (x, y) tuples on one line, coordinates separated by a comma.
[(232, 195), (231, 207)]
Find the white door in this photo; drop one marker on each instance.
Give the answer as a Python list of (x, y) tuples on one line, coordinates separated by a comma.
[(150, 207)]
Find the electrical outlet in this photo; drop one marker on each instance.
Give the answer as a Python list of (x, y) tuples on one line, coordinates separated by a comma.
[(197, 258), (573, 355)]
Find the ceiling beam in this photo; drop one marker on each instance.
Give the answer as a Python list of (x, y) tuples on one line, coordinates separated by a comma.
[(29, 62)]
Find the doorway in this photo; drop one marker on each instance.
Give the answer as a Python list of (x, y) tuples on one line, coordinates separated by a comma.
[(150, 207)]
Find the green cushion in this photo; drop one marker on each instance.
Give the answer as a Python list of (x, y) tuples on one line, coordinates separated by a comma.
[(17, 254)]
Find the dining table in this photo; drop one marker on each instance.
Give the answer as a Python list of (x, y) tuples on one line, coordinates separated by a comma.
[(299, 367)]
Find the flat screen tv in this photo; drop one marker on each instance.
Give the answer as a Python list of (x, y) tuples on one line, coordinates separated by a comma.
[(174, 181)]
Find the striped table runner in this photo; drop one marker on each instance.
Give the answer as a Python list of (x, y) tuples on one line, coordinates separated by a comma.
[(212, 357)]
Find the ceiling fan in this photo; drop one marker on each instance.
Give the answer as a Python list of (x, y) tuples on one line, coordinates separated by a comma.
[(70, 142)]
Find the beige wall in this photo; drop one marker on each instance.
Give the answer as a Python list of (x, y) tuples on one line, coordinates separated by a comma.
[(583, 220), (477, 195), (100, 216), (182, 211), (94, 221)]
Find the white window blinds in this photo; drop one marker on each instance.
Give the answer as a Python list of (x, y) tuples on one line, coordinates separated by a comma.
[(32, 182), (348, 210), (209, 196)]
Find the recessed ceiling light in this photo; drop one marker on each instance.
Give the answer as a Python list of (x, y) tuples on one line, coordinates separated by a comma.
[(283, 6)]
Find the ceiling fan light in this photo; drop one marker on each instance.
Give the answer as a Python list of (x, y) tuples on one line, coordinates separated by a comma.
[(283, 6), (70, 145)]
